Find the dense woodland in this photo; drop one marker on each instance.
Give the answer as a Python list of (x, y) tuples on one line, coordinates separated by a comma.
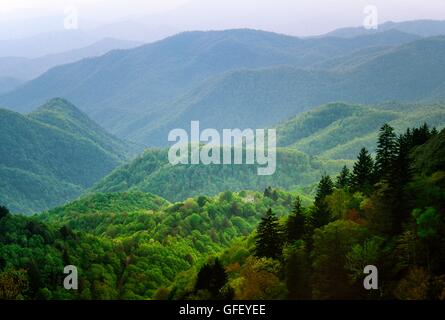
[(387, 210)]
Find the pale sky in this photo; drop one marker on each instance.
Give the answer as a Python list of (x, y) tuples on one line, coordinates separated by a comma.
[(296, 17)]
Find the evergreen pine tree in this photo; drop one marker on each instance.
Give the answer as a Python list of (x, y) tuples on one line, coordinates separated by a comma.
[(296, 222), (400, 176), (269, 240), (363, 172), (321, 214), (386, 152), (434, 131), (268, 192), (212, 277), (344, 179)]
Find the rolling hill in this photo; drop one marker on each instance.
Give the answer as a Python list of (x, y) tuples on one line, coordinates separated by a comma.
[(151, 172), (339, 131), (52, 155)]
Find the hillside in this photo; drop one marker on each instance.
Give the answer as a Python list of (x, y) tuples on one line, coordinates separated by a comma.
[(339, 131), (52, 155), (157, 79), (152, 173)]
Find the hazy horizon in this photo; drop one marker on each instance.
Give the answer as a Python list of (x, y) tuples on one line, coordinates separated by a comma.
[(25, 18)]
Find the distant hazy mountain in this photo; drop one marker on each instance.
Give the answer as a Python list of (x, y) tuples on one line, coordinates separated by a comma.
[(263, 97), (26, 69), (135, 91), (424, 28), (51, 155), (46, 43), (49, 36), (8, 84)]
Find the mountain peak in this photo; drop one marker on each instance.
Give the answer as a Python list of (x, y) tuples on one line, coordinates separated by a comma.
[(62, 107)]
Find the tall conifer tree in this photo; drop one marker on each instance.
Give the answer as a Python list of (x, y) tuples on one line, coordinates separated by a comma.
[(269, 240), (363, 172)]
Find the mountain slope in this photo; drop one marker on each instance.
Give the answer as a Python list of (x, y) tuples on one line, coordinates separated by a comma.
[(153, 173), (46, 157), (339, 131), (8, 84)]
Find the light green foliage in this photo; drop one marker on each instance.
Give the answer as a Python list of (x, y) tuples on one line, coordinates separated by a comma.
[(152, 173)]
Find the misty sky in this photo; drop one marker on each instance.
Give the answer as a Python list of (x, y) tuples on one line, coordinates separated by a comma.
[(295, 17)]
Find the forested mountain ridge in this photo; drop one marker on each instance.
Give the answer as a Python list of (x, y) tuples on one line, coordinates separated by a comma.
[(152, 172), (182, 73), (52, 155), (67, 117)]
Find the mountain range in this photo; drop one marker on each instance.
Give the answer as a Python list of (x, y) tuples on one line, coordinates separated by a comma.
[(327, 97), (232, 78)]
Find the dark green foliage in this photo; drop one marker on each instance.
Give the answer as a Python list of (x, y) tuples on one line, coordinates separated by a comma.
[(212, 277), (430, 158), (297, 270), (295, 226), (363, 176), (343, 179), (321, 214), (386, 152), (269, 238), (3, 212)]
